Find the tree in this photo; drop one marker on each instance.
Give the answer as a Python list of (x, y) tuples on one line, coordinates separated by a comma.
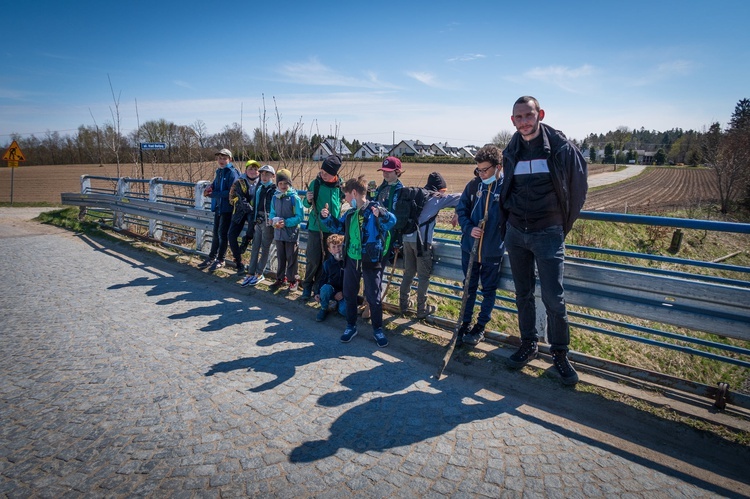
[(502, 139), (609, 154), (741, 117), (620, 137), (592, 155), (660, 157)]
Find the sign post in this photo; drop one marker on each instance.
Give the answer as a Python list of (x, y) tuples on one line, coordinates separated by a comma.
[(13, 155), (150, 146)]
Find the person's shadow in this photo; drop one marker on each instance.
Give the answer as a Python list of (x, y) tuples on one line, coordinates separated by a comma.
[(402, 419)]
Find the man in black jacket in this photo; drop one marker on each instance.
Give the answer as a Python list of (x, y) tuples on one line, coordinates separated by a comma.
[(543, 193)]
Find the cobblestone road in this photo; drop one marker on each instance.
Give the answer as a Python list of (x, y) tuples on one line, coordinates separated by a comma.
[(124, 374)]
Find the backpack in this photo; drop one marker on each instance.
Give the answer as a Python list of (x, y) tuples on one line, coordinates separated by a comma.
[(408, 207), (375, 245)]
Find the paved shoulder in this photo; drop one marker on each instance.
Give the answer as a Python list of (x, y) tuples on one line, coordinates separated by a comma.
[(606, 178)]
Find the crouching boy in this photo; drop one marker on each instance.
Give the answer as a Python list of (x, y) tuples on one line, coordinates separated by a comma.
[(330, 292), (365, 227)]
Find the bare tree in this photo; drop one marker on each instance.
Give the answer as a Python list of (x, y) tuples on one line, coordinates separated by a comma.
[(502, 139)]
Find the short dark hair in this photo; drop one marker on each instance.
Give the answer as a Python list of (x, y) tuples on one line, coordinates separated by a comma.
[(356, 184), (490, 153), (527, 99)]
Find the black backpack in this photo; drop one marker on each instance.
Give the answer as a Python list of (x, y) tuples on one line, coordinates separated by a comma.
[(408, 207)]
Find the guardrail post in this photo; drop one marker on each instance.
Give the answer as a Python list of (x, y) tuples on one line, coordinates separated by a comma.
[(85, 189), (155, 190), (122, 189), (200, 202)]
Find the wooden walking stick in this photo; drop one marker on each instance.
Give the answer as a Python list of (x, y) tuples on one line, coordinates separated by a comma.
[(464, 298), (390, 276)]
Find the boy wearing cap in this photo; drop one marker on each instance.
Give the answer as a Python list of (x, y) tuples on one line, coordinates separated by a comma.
[(417, 246), (263, 231), (324, 190), (226, 174), (286, 215), (365, 228), (242, 197)]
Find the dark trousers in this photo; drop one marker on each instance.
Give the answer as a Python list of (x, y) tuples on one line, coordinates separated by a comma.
[(235, 229), (489, 274), (372, 275), (546, 248), (315, 254), (220, 236), (286, 256)]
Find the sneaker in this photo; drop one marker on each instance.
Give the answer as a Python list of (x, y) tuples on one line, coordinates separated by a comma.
[(258, 279), (278, 283), (380, 338), (349, 333), (249, 281), (527, 351), (475, 336), (293, 287), (428, 311), (562, 364), (218, 264), (205, 263), (306, 294), (322, 313), (462, 331)]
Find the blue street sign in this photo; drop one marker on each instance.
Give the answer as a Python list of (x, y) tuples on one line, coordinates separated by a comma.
[(153, 145)]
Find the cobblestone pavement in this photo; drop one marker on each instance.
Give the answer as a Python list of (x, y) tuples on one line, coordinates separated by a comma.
[(125, 374)]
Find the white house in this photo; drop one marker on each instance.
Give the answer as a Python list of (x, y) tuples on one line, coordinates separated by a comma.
[(372, 150), (410, 148), (331, 146)]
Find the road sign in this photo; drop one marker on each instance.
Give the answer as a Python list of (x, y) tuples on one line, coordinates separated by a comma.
[(14, 153), (153, 145)]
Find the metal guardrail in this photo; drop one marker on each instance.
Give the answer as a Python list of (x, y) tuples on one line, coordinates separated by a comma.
[(682, 299)]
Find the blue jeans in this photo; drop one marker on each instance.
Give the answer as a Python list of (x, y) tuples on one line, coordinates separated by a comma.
[(327, 294), (489, 274), (546, 247)]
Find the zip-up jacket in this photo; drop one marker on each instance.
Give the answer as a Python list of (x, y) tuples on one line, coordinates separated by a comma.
[(289, 207), (263, 202), (477, 199), (568, 172), (327, 193), (349, 221), (223, 180), (333, 274)]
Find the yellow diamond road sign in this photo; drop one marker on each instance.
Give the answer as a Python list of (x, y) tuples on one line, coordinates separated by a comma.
[(14, 153)]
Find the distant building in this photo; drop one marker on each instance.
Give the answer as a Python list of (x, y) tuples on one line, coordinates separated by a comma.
[(370, 150), (331, 146)]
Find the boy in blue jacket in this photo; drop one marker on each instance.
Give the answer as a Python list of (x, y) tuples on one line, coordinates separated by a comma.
[(482, 196), (226, 175), (365, 227), (330, 286)]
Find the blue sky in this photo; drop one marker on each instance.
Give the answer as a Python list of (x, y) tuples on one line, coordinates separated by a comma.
[(435, 71)]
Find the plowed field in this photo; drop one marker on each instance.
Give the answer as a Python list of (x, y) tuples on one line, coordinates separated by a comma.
[(656, 189)]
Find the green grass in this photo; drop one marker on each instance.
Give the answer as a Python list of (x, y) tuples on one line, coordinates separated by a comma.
[(68, 219)]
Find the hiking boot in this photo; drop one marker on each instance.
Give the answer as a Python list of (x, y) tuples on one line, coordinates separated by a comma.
[(428, 311), (205, 263), (349, 333), (527, 351), (306, 294), (218, 264), (380, 338), (562, 364), (322, 313), (293, 287), (475, 336), (462, 331)]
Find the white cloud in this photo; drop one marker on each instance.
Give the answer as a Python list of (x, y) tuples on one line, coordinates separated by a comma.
[(568, 79), (313, 72), (467, 57)]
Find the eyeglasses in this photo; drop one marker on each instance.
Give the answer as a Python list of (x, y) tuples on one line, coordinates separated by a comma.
[(485, 170)]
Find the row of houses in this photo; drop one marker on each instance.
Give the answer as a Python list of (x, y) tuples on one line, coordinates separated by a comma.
[(405, 148)]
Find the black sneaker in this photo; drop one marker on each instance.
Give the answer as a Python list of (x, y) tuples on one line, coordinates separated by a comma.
[(218, 264), (462, 331), (562, 364), (527, 351), (475, 336), (205, 263)]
